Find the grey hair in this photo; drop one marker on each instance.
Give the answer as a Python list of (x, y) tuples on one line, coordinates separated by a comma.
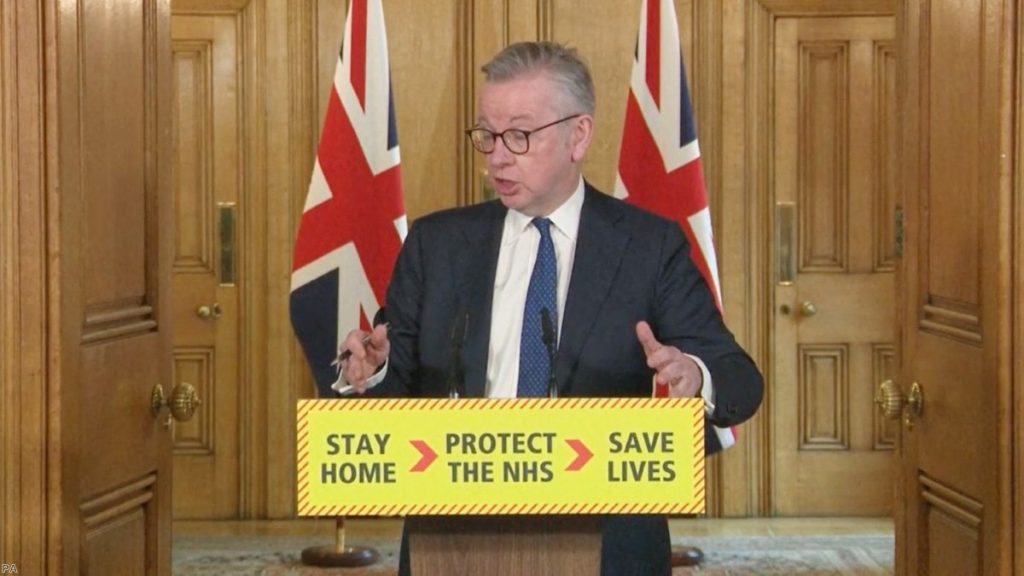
[(562, 64)]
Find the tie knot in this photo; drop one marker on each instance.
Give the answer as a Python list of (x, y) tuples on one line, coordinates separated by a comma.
[(543, 226)]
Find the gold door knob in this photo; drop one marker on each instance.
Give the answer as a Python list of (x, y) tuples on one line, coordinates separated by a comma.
[(807, 308), (209, 311), (889, 399), (182, 404), (184, 401), (156, 400), (915, 406)]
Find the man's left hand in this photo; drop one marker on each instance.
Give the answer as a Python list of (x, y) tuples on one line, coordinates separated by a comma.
[(671, 366)]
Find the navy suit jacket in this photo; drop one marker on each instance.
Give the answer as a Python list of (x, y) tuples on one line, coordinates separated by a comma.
[(630, 265)]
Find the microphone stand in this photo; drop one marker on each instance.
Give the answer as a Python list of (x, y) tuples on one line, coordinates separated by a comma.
[(459, 330), (548, 335)]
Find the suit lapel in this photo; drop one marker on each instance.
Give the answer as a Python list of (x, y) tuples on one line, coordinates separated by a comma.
[(600, 247), (482, 238)]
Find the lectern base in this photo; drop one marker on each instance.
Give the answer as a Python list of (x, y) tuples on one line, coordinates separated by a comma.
[(330, 556), (505, 545)]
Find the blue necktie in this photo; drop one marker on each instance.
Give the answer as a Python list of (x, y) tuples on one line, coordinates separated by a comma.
[(534, 363)]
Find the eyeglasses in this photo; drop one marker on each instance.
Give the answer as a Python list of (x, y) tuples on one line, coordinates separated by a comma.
[(517, 141)]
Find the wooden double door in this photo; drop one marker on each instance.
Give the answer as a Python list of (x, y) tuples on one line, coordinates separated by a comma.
[(940, 112), (960, 288), (85, 453)]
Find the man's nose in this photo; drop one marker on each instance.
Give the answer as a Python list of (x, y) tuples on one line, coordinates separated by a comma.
[(500, 156)]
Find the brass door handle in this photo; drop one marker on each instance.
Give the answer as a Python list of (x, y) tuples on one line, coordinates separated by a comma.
[(889, 399), (214, 311), (807, 308), (915, 406), (182, 404)]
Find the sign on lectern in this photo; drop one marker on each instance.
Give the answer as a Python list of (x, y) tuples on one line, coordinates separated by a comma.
[(397, 457)]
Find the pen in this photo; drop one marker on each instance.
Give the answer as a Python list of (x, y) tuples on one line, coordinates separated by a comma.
[(346, 353)]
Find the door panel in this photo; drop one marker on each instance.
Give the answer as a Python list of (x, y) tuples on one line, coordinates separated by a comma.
[(834, 321), (114, 220), (208, 168), (954, 289)]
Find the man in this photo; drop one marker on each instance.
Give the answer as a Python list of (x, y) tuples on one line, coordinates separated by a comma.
[(616, 284)]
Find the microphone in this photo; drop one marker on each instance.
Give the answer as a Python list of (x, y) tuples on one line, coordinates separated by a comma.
[(548, 336), (381, 317), (458, 336)]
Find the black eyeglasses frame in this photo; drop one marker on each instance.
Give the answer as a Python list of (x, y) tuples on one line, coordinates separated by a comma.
[(526, 135)]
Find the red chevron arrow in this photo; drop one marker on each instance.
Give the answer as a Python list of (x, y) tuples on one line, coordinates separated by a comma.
[(583, 455), (427, 455)]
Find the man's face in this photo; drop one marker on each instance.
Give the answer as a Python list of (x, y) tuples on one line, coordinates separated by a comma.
[(537, 182)]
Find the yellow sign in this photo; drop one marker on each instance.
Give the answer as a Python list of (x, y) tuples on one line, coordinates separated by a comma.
[(372, 457)]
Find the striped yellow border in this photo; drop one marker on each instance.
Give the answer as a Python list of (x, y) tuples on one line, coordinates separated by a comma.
[(306, 407)]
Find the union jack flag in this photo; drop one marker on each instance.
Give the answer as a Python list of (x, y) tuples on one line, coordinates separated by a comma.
[(659, 162), (353, 223)]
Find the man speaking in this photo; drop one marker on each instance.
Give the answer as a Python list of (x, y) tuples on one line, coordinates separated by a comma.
[(554, 288)]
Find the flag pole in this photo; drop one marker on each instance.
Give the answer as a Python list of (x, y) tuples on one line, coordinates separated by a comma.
[(659, 114), (360, 95), (338, 554)]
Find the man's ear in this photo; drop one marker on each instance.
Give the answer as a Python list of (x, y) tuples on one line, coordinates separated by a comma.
[(582, 133)]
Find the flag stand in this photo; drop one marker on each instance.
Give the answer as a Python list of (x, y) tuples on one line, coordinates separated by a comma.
[(339, 554), (687, 556)]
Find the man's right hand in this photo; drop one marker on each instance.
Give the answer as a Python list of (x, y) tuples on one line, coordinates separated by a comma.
[(369, 350)]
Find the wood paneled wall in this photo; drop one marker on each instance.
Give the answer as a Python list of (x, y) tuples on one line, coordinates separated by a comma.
[(436, 50), (287, 55)]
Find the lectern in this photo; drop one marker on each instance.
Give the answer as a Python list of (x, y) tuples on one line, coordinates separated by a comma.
[(505, 545), (501, 486)]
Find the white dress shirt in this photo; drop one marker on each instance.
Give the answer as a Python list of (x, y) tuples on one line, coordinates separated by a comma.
[(516, 256)]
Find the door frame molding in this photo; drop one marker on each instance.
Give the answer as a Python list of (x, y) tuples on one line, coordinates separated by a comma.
[(759, 195), (1017, 282), (254, 243), (30, 384)]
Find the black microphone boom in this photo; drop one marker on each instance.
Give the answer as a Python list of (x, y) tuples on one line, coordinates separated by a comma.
[(548, 335), (459, 330)]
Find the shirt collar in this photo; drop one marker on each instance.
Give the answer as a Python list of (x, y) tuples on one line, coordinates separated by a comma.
[(566, 217)]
